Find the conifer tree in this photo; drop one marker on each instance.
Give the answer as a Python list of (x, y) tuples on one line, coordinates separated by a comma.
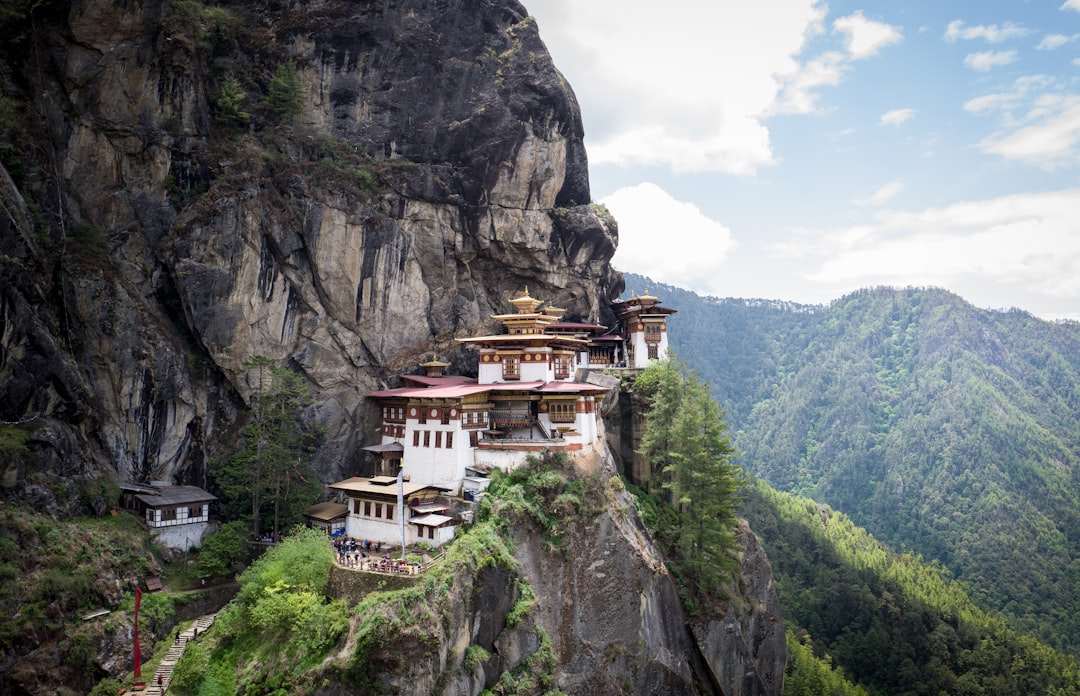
[(693, 475), (230, 103), (283, 97), (272, 468)]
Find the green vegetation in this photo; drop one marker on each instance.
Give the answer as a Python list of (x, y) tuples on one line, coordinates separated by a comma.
[(282, 623), (542, 492), (895, 624), (208, 25), (283, 634), (283, 98), (52, 572), (230, 104), (809, 675), (223, 549), (693, 481), (943, 429), (270, 481), (13, 441)]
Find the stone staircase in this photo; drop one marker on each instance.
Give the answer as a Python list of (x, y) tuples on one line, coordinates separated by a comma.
[(176, 650)]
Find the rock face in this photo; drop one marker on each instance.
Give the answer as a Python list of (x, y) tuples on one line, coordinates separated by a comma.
[(603, 617), (435, 168), (154, 237)]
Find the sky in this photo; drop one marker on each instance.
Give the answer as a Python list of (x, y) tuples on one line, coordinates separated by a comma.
[(800, 150)]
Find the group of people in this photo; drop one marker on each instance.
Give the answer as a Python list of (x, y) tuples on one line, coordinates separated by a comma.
[(357, 554)]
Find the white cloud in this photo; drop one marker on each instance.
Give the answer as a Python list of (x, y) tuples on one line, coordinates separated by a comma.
[(1026, 241), (1052, 41), (1013, 97), (799, 94), (883, 195), (896, 117), (1048, 135), (1071, 5), (668, 240), (985, 60), (991, 33), (662, 81), (865, 37)]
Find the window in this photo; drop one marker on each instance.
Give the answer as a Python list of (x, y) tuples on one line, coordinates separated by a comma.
[(438, 438), (195, 511), (389, 511), (474, 438), (562, 411), (653, 352), (356, 507), (416, 438), (449, 440), (427, 438), (367, 508), (446, 416), (378, 510), (562, 367), (168, 514), (511, 366), (430, 532)]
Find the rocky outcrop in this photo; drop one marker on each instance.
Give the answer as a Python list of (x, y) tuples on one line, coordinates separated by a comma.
[(435, 167), (590, 609), (746, 649)]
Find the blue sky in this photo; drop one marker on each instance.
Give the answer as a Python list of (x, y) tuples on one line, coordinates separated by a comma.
[(799, 150)]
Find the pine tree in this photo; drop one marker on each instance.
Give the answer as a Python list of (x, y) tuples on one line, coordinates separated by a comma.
[(272, 468), (283, 95), (693, 475), (230, 104)]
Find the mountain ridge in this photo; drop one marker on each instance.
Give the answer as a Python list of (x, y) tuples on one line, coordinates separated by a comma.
[(941, 428)]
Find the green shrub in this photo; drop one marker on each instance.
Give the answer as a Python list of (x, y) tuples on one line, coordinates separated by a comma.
[(222, 549), (476, 655), (283, 94)]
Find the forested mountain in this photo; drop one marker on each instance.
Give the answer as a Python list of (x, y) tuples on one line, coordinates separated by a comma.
[(943, 429), (894, 624)]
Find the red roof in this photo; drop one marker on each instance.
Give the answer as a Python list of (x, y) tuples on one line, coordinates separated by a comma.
[(458, 391), (570, 388), (438, 381)]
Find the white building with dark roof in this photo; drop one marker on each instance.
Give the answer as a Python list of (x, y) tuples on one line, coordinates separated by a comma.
[(178, 516)]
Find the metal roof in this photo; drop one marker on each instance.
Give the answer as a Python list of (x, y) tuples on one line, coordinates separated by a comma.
[(388, 447), (382, 485), (431, 520), (175, 495), (327, 512)]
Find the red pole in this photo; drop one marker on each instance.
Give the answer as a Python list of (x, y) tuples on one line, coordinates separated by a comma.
[(138, 661)]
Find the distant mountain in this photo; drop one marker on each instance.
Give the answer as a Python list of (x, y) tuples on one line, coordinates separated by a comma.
[(943, 429)]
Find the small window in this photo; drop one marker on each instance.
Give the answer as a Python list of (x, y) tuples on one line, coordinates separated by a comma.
[(449, 440), (367, 508), (378, 510), (438, 438), (511, 366), (389, 511), (416, 438), (427, 438)]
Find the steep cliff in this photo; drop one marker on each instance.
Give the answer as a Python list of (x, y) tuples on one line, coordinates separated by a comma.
[(170, 211), (434, 167)]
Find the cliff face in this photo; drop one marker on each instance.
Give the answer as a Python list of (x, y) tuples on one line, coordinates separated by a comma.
[(586, 608), (153, 240), (435, 167)]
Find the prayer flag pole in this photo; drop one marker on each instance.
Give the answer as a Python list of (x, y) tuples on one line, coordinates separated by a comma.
[(138, 660), (401, 508)]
